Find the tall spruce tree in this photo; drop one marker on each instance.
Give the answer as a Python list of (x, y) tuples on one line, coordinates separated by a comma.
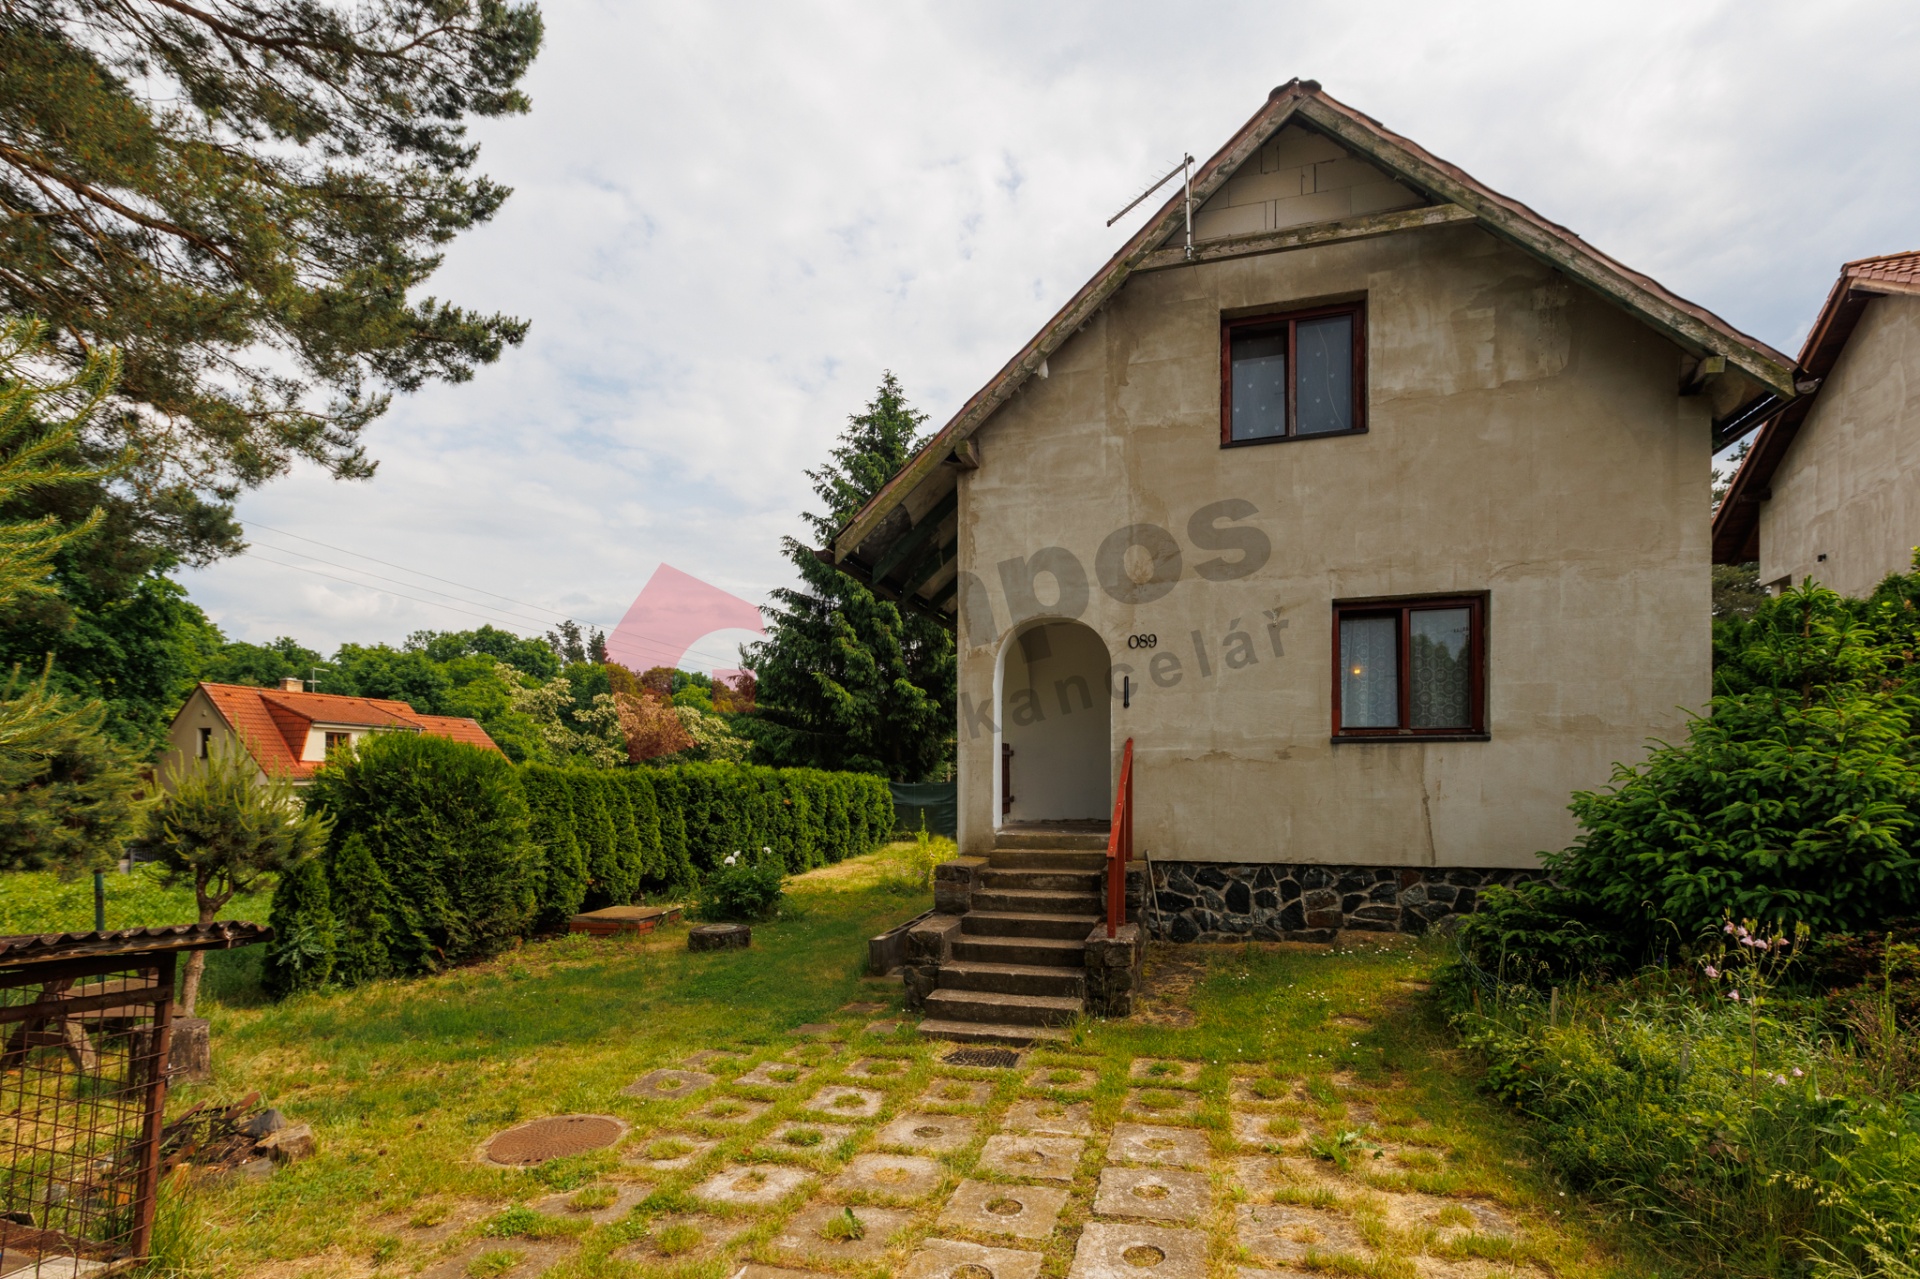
[(848, 680), (245, 197)]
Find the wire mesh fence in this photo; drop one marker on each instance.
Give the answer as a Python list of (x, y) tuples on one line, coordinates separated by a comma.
[(83, 1074)]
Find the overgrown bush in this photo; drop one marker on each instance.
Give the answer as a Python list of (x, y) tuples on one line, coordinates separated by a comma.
[(445, 826), (301, 954), (1718, 1112), (744, 886), (1795, 800), (551, 823)]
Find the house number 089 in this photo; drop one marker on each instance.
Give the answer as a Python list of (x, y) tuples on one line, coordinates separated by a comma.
[(1142, 641)]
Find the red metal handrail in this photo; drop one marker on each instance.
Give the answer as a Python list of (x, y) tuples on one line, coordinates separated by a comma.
[(1120, 844)]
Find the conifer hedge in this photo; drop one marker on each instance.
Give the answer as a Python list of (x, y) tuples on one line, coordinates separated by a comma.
[(442, 853)]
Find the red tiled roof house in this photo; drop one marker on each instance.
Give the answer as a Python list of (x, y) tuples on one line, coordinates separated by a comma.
[(288, 731)]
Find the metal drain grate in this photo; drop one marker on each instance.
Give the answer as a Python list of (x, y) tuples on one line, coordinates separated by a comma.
[(995, 1057), (545, 1139)]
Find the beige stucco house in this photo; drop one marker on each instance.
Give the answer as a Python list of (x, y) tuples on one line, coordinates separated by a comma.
[(1374, 514), (1830, 489), (289, 732)]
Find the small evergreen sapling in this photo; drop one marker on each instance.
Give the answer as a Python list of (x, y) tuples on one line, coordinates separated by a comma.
[(301, 954), (225, 829)]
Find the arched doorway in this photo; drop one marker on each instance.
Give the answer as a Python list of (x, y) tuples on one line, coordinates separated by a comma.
[(1054, 726)]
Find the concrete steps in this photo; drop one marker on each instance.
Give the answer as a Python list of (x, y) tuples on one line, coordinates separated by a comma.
[(975, 1032), (1013, 923), (1017, 969), (1004, 1010), (1053, 952), (1015, 979), (1047, 859)]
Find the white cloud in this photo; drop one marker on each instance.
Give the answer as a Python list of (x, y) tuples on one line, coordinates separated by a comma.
[(729, 219)]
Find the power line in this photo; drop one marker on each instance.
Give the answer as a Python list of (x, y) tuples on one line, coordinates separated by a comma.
[(491, 620), (480, 590)]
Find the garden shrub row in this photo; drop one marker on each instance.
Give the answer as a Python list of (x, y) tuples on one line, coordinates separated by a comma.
[(441, 853)]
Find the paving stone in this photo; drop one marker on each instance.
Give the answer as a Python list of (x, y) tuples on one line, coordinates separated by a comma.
[(668, 1085), (1135, 1250), (928, 1134), (845, 1101), (804, 1235), (774, 1074), (1282, 1232), (1056, 1118), (902, 1177), (755, 1270), (432, 1220), (815, 1030), (1255, 1174), (1162, 1103), (1448, 1219), (535, 1257), (624, 1198), (679, 1238), (1039, 1158), (642, 1151), (806, 1138), (1026, 1212), (881, 1027), (952, 1259), (879, 1068), (864, 1006), (710, 1056), (1258, 1128), (957, 1092), (730, 1110), (1063, 1079), (1261, 1091), (1285, 1272), (1157, 1145), (1164, 1070), (751, 1186), (1164, 1194)]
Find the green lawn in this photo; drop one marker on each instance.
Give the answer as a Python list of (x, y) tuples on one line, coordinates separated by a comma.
[(1327, 1070)]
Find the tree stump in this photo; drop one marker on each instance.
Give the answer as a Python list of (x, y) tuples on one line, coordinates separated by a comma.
[(191, 1056), (719, 937)]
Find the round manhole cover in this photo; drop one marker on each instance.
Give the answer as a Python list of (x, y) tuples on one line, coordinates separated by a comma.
[(544, 1139)]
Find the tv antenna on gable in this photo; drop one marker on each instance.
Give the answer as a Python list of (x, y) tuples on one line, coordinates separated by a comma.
[(1185, 171)]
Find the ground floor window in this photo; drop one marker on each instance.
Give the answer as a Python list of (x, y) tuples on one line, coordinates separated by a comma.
[(1410, 667)]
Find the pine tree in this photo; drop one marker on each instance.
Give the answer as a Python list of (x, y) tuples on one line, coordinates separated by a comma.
[(246, 199), (847, 680)]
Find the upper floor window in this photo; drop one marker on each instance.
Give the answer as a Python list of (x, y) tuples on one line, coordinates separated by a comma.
[(1294, 375), (337, 742), (205, 749), (1410, 668)]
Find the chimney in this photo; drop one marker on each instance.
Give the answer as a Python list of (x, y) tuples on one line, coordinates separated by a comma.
[(291, 684)]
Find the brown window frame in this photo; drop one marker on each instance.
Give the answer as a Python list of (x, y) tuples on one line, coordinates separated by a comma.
[(1405, 606), (335, 740), (1358, 310)]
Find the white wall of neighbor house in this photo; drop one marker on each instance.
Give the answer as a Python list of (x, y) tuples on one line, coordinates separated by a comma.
[(1845, 509), (1526, 441)]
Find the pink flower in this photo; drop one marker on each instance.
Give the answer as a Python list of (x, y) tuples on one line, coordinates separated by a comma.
[(1780, 1079), (1712, 971), (1728, 929), (1734, 995), (1798, 1073)]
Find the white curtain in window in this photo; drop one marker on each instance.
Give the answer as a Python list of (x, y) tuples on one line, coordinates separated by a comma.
[(1369, 672), (1442, 668)]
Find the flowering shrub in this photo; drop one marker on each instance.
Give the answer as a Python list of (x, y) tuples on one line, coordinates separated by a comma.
[(744, 887)]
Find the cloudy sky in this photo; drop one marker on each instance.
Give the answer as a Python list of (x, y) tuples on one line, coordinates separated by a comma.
[(730, 218)]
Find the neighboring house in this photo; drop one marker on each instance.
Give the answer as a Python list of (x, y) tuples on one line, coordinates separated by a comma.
[(1830, 489), (1376, 518), (290, 732)]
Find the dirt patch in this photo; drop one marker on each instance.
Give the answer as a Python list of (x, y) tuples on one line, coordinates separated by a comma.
[(1171, 973)]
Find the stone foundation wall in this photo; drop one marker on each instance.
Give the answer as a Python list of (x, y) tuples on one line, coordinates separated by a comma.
[(1293, 901), (1114, 969)]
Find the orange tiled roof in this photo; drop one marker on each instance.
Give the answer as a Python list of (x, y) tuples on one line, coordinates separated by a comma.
[(274, 723), (1899, 269)]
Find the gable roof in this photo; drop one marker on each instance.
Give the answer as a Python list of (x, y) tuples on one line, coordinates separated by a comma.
[(870, 546), (1736, 524), (274, 722)]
